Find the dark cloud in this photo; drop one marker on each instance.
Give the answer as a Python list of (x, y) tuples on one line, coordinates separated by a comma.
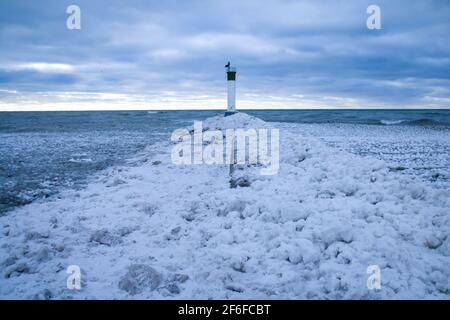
[(302, 52), (30, 78)]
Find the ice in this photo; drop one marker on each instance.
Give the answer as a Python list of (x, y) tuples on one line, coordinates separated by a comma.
[(309, 232), (141, 277)]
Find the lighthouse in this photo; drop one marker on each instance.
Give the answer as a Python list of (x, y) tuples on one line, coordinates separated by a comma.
[(231, 80)]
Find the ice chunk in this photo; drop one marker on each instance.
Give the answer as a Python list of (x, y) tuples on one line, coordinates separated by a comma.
[(140, 277)]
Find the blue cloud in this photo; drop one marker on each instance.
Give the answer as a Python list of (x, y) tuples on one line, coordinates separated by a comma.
[(30, 78), (286, 48)]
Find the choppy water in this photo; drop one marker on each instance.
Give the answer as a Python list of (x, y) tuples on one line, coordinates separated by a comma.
[(41, 152), (374, 117)]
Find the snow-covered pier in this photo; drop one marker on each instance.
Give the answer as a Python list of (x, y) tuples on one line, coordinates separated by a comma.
[(160, 230)]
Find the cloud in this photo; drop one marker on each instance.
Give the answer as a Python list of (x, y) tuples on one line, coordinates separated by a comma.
[(44, 67), (289, 54)]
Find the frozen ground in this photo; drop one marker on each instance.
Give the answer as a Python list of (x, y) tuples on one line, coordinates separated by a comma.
[(156, 230), (419, 151)]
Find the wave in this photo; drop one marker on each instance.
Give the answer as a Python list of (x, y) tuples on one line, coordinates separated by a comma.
[(391, 122), (417, 122), (83, 160)]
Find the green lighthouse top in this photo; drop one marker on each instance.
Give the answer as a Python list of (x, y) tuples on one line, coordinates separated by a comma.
[(231, 72)]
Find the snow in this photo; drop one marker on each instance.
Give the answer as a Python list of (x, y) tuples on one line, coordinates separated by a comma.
[(157, 230)]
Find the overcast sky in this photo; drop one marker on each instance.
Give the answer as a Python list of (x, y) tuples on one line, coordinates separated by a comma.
[(171, 54)]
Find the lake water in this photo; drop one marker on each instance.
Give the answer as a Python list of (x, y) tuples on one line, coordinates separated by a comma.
[(41, 152)]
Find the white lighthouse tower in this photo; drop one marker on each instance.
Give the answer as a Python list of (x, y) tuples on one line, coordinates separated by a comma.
[(231, 80)]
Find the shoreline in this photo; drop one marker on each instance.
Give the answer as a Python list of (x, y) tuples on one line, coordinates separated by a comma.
[(411, 136), (309, 232)]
